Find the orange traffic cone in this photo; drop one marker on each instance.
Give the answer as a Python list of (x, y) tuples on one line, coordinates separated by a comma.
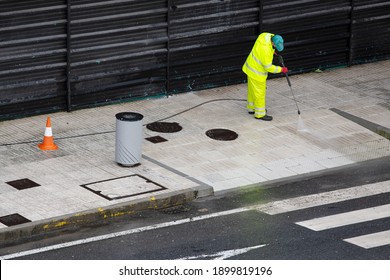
[(48, 141)]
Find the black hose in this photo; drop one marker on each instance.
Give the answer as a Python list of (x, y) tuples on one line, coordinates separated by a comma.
[(196, 106), (112, 131)]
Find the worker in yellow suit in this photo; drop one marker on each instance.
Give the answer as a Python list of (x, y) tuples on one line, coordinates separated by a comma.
[(256, 67)]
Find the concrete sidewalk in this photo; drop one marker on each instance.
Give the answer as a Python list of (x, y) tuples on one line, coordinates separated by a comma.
[(81, 183)]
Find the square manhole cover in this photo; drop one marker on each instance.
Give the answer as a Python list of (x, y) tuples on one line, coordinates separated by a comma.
[(156, 139), (123, 187), (13, 220), (23, 184)]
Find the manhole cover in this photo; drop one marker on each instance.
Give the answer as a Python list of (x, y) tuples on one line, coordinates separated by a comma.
[(164, 127), (22, 184), (156, 139), (123, 187), (13, 220), (222, 134)]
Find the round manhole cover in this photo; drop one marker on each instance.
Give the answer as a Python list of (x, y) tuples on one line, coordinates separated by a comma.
[(222, 134), (164, 127)]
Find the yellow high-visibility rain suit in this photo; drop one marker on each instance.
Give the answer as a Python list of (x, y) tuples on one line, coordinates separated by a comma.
[(256, 67)]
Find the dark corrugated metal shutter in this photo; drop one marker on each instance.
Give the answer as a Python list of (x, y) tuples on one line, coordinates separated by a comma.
[(316, 32), (32, 56), (209, 41), (371, 30), (118, 50)]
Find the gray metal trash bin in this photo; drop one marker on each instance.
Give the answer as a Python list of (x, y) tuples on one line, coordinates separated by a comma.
[(129, 136)]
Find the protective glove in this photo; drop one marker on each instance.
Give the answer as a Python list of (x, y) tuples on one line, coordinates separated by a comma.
[(284, 70)]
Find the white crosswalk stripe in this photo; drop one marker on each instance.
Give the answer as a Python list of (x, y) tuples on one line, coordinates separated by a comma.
[(303, 202), (343, 219), (371, 240), (348, 218)]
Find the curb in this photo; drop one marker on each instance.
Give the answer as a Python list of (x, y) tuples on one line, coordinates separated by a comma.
[(99, 216), (378, 129)]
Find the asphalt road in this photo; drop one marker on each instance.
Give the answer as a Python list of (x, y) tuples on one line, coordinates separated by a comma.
[(310, 218)]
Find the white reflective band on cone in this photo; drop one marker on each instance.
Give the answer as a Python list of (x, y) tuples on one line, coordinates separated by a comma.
[(48, 131)]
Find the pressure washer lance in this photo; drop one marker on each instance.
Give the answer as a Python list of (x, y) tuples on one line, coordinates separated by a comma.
[(289, 83)]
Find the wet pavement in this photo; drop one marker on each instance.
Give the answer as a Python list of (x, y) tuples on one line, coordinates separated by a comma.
[(205, 143)]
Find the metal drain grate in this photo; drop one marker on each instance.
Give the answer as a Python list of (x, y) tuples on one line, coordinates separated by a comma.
[(23, 184), (164, 127), (222, 134), (156, 139), (13, 220), (175, 209)]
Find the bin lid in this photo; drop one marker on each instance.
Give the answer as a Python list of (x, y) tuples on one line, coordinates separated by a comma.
[(129, 116)]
